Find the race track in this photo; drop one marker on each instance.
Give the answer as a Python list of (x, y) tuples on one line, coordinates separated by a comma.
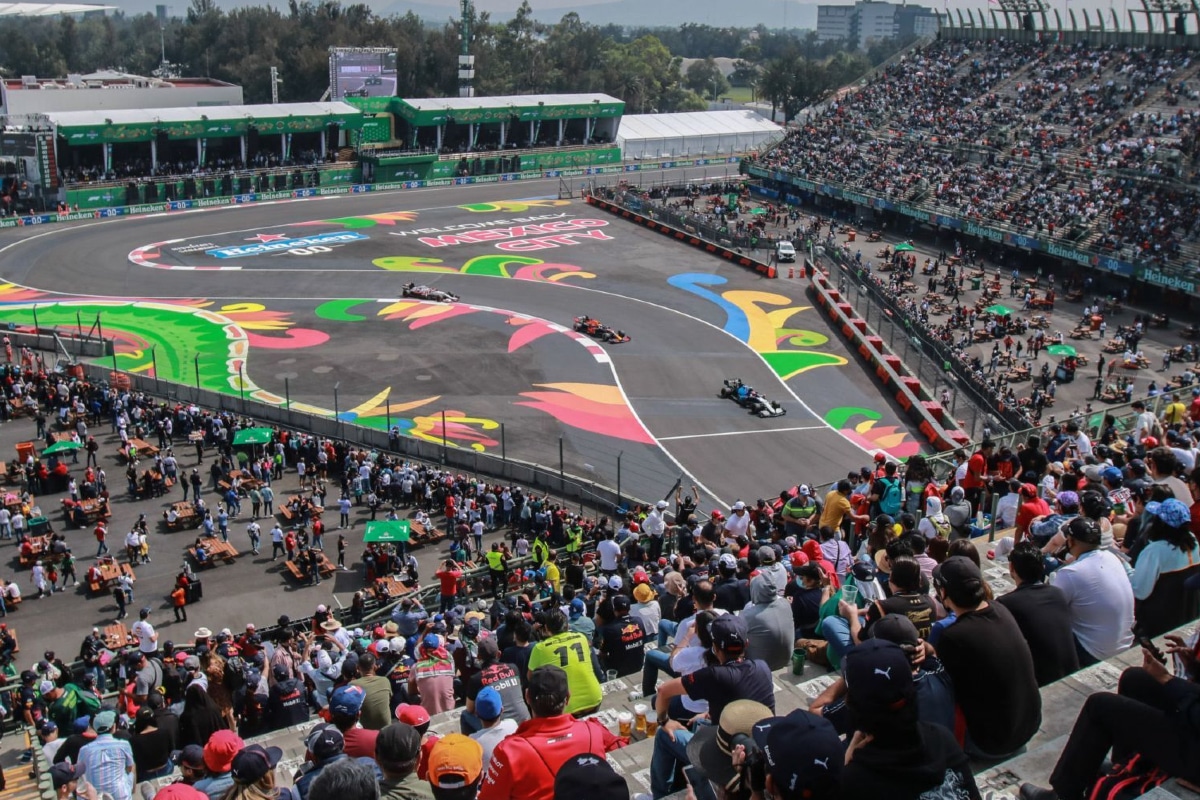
[(307, 294)]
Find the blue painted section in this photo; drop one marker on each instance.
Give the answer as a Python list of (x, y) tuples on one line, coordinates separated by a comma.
[(736, 321)]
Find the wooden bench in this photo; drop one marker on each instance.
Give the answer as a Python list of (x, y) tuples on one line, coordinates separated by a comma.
[(325, 567), (108, 576), (217, 551)]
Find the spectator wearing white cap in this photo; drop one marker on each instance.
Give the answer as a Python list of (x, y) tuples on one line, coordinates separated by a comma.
[(738, 523), (655, 526)]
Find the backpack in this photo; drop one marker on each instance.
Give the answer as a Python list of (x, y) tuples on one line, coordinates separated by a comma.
[(235, 673), (942, 527), (1134, 778), (889, 503)]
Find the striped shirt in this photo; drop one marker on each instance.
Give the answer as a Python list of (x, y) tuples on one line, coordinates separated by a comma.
[(108, 765)]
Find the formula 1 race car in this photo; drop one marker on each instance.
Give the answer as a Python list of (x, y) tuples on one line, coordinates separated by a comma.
[(753, 401), (597, 330), (429, 293)]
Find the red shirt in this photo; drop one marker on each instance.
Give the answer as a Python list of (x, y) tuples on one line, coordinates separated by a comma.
[(360, 742), (1026, 512), (524, 764), (976, 469), (449, 580)]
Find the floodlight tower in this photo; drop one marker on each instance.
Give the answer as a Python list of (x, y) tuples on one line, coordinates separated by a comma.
[(466, 61)]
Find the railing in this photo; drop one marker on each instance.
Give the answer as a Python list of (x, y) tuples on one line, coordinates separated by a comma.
[(210, 173)]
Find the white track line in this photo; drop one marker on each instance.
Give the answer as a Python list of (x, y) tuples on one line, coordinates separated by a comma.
[(739, 433)]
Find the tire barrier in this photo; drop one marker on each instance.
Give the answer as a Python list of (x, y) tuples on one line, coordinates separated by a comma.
[(742, 260), (929, 416)]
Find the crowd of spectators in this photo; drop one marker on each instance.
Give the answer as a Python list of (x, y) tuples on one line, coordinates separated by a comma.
[(141, 169), (935, 666), (1091, 144)]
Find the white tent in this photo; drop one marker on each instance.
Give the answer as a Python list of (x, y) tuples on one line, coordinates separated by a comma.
[(696, 133)]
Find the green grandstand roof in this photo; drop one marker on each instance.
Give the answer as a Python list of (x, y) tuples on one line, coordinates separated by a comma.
[(432, 111)]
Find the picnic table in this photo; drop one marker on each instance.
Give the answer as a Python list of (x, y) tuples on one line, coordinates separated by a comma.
[(39, 550), (117, 636), (1082, 332), (248, 481), (285, 511), (94, 509), (324, 566), (143, 448), (217, 551), (185, 516), (1016, 375), (389, 588), (19, 407), (110, 571), (60, 436)]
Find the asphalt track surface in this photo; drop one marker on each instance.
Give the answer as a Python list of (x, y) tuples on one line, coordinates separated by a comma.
[(673, 300)]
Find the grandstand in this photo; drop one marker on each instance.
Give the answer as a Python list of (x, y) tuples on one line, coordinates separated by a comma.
[(1081, 151)]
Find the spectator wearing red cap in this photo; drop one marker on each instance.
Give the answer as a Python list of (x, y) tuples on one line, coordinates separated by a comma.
[(219, 752), (525, 764)]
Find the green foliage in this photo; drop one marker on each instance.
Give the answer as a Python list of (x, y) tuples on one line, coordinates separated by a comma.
[(517, 56)]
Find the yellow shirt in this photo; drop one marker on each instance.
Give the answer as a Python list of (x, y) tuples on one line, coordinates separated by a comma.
[(572, 652), (1175, 413), (837, 506), (553, 576)]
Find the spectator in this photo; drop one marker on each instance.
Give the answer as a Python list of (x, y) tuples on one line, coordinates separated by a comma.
[(987, 658), (892, 753), (65, 777), (432, 677), (377, 706), (287, 704), (525, 764), (620, 639), (573, 654), (345, 780), (107, 762), (324, 747), (1042, 529), (397, 751), (504, 678), (803, 756), (345, 710), (455, 767), (253, 772), (1153, 715), (732, 677), (590, 777), (646, 608), (1042, 613), (219, 752), (710, 750), (1170, 545), (769, 625), (1098, 594), (489, 708)]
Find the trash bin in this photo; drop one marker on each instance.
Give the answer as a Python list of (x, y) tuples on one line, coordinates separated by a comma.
[(976, 283), (1096, 320), (195, 591), (24, 451), (850, 234), (1061, 375), (39, 526)]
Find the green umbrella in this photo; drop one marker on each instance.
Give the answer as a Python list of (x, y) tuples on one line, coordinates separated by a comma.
[(903, 247), (388, 530), (1061, 350), (253, 436), (61, 447), (759, 210), (999, 310)]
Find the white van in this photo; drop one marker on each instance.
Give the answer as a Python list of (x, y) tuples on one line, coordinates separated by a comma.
[(785, 252)]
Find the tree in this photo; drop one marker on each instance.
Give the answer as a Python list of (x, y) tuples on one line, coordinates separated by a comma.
[(705, 79)]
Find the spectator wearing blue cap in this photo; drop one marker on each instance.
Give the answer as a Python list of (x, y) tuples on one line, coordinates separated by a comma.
[(432, 677), (580, 622), (1170, 547), (345, 708), (489, 708)]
